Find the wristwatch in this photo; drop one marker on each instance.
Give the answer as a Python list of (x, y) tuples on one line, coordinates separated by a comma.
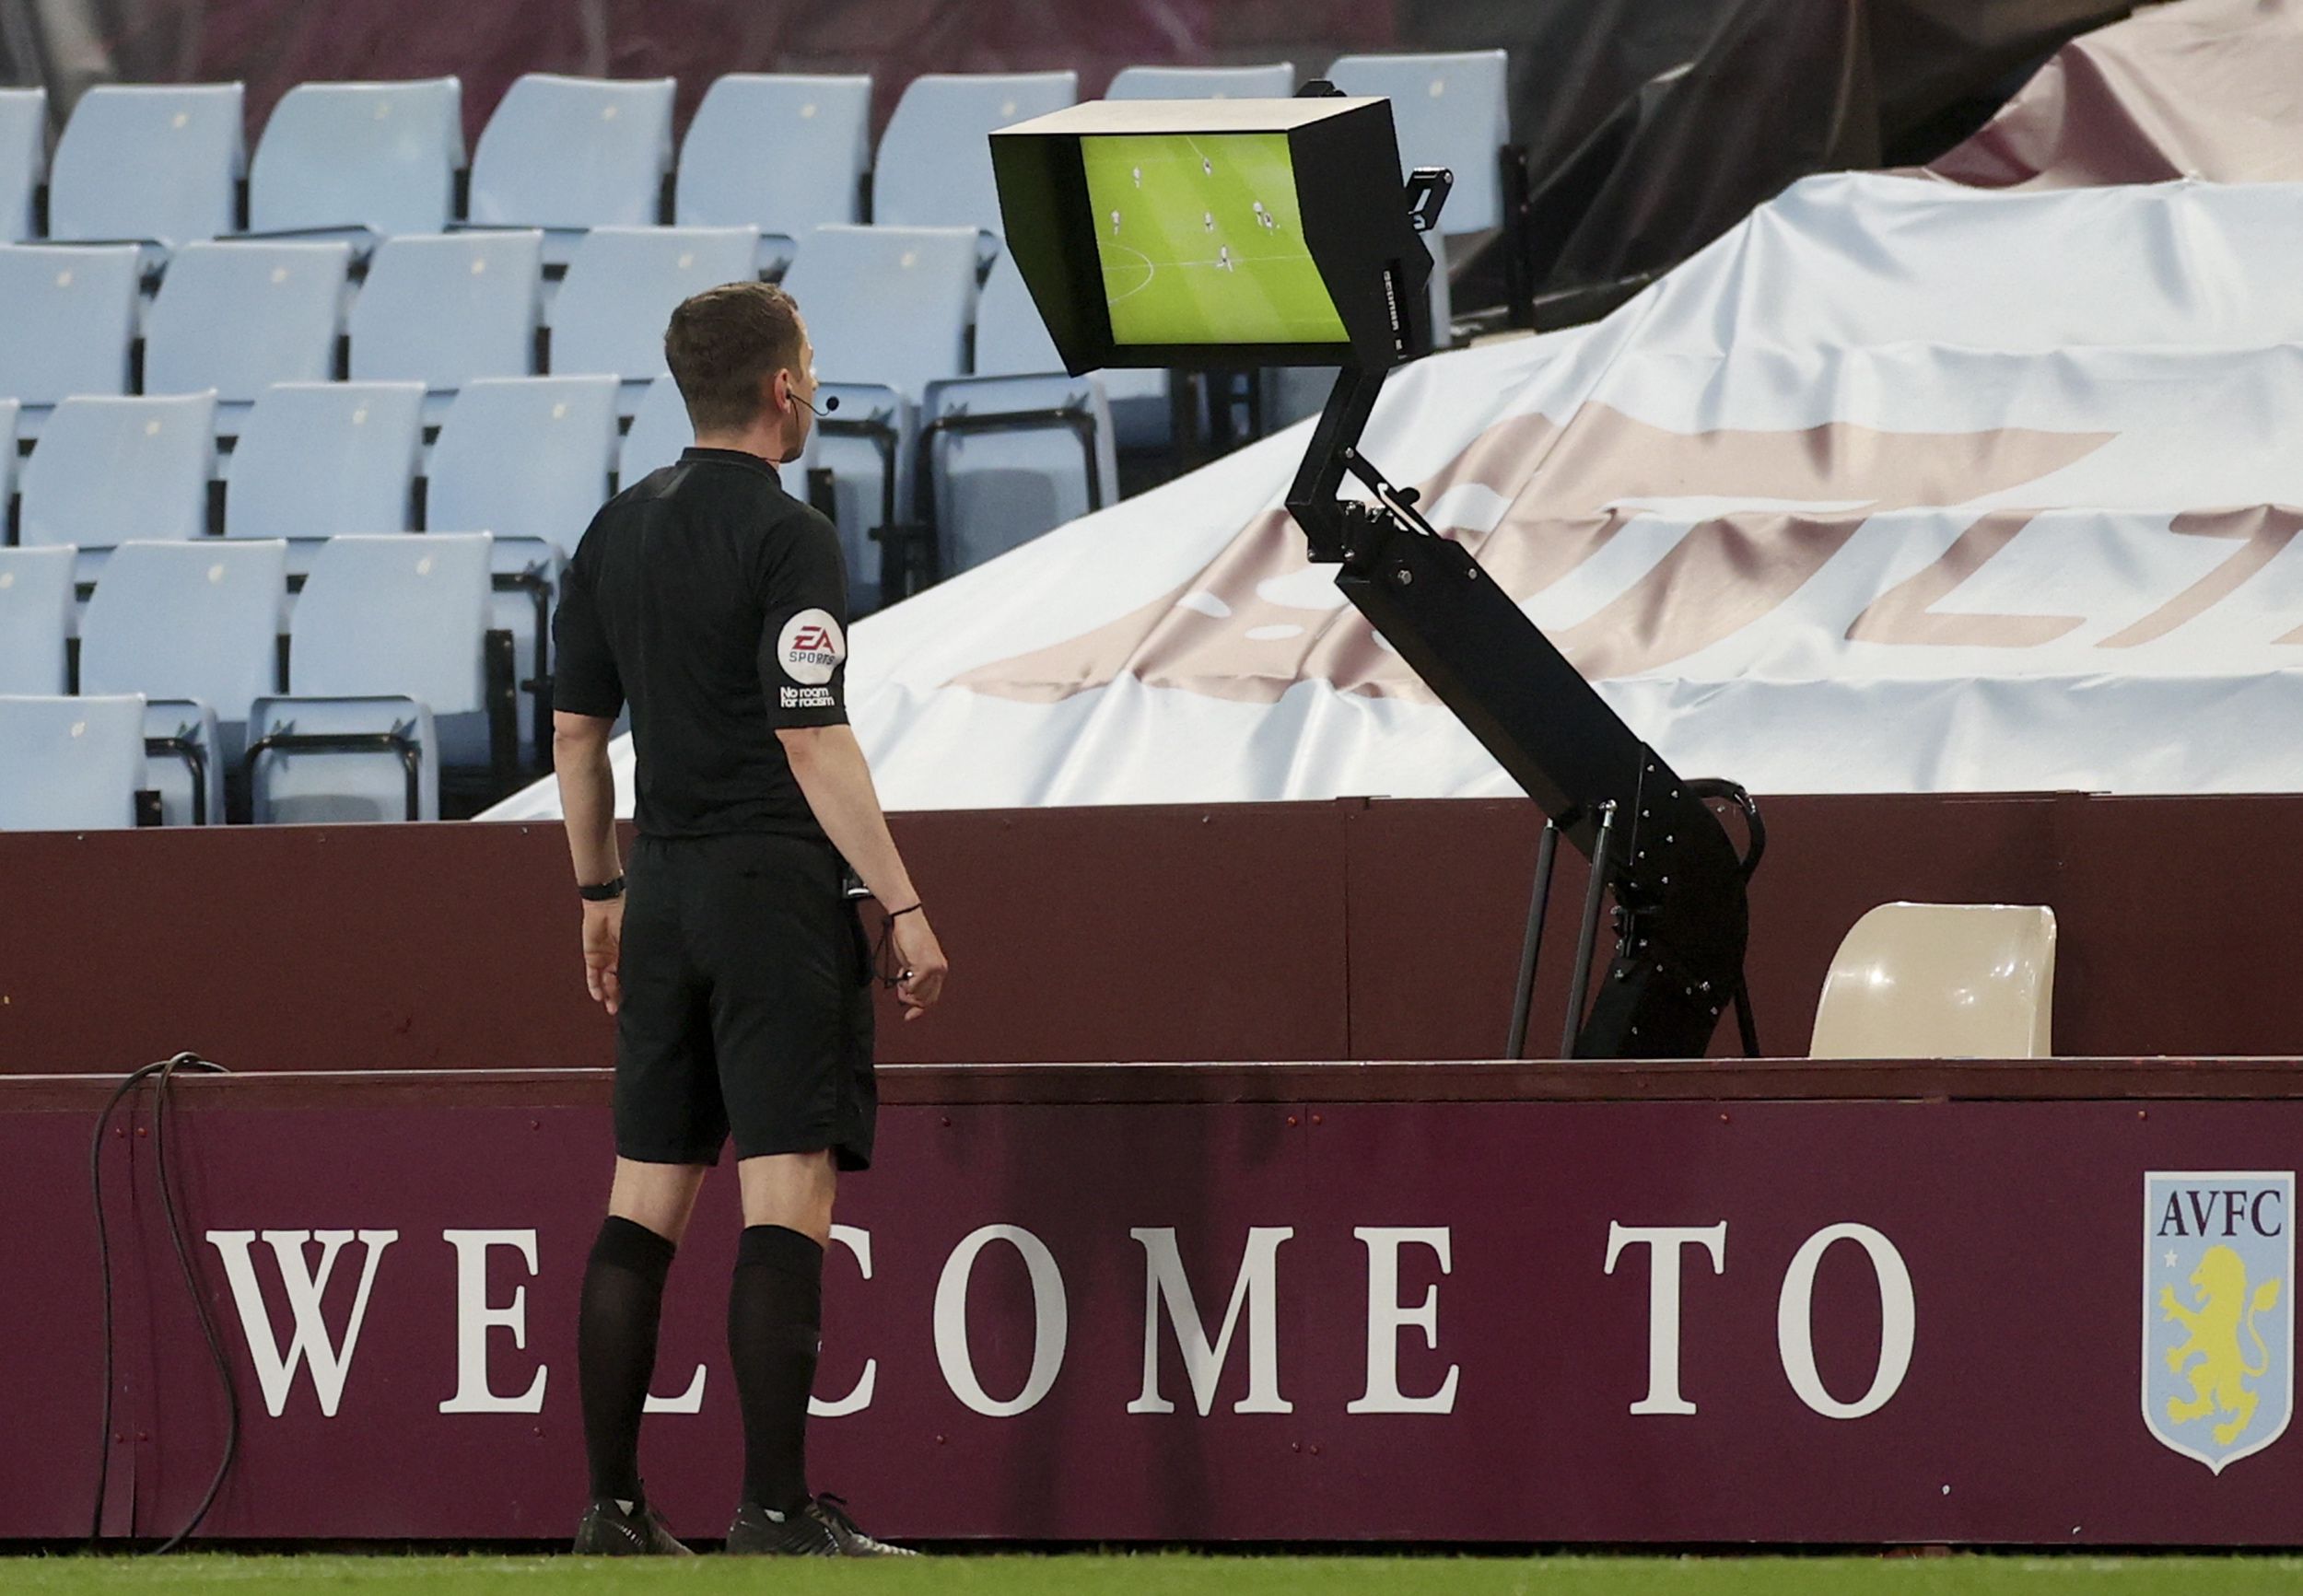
[(605, 892)]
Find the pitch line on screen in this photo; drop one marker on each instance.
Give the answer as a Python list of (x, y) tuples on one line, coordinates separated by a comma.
[(1149, 272)]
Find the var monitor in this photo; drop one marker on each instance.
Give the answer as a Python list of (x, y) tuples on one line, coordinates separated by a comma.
[(1216, 233)]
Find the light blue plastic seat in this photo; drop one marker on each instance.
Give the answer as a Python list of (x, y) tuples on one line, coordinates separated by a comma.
[(23, 159), (1275, 81), (67, 317), (149, 161), (318, 458), (1448, 110), (442, 309), (622, 287), (73, 764), (36, 606), (195, 628), (820, 129), (568, 154), (935, 157), (107, 470), (381, 157), (526, 460), (888, 311), (239, 317), (659, 433), (386, 646), (1020, 446)]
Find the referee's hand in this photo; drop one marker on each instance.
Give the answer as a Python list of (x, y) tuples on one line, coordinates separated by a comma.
[(603, 945), (920, 959)]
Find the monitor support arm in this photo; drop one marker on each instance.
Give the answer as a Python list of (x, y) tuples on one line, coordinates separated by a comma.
[(1681, 919)]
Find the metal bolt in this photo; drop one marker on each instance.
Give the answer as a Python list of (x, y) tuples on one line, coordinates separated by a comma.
[(1403, 576), (1291, 1119), (1317, 1120)]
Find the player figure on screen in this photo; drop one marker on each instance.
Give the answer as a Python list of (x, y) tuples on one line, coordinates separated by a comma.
[(1138, 172), (1268, 220), (1115, 224), (1206, 220), (1224, 256)]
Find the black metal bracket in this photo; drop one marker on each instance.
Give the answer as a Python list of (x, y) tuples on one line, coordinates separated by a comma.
[(410, 752), (195, 759), (1077, 419), (1681, 915), (500, 661), (897, 541), (539, 684)]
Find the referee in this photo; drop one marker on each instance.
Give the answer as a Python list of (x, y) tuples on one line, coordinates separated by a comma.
[(716, 605)]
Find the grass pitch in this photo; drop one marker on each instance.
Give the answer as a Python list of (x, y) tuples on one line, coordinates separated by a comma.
[(1163, 1574), (1200, 241)]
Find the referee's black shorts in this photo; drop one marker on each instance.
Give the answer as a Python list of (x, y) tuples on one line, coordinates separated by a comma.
[(747, 1004)]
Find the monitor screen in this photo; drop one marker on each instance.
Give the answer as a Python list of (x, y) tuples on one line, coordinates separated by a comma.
[(1201, 242)]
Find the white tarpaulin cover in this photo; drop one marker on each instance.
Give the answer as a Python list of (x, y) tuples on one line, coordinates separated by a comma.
[(1897, 487)]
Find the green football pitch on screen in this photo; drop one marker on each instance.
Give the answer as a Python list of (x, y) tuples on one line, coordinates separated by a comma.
[(1200, 241)]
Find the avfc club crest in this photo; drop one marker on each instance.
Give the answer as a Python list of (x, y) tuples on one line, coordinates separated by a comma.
[(2218, 1316)]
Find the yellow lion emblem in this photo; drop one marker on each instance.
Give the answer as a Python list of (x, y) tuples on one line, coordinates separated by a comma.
[(2219, 1382)]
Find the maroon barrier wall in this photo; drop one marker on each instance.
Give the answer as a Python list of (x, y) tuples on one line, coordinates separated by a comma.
[(1252, 931), (1014, 1395)]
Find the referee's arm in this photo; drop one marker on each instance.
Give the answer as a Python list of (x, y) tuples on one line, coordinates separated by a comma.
[(828, 764), (587, 695)]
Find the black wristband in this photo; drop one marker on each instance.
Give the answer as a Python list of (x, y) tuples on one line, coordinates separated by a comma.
[(899, 914), (605, 892)]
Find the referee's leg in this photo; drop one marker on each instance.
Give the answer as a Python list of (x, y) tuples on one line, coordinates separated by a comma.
[(775, 1313)]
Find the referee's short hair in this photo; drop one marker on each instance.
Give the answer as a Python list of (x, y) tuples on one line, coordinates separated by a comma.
[(724, 344)]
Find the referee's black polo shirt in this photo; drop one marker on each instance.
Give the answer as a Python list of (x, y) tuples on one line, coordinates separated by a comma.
[(717, 604)]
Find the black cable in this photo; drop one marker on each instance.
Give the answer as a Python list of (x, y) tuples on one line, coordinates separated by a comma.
[(164, 1071)]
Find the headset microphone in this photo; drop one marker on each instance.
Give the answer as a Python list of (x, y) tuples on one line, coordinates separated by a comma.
[(830, 406)]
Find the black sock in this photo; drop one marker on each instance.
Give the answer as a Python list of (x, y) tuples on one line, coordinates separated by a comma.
[(775, 1311), (616, 1349)]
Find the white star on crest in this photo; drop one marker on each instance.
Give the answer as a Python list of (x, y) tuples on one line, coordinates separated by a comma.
[(2170, 1260)]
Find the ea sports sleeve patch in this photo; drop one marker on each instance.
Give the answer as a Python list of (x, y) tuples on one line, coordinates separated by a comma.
[(810, 650)]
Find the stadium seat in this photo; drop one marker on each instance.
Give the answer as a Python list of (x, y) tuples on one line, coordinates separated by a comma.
[(888, 311), (387, 644), (821, 131), (568, 154), (23, 160), (36, 605), (1020, 446), (74, 765), (525, 457), (526, 460), (195, 628), (1941, 981), (320, 459), (442, 309), (660, 431), (622, 286), (1449, 110), (378, 157), (10, 412), (107, 470), (1276, 81), (239, 317), (67, 317), (156, 162), (935, 157)]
